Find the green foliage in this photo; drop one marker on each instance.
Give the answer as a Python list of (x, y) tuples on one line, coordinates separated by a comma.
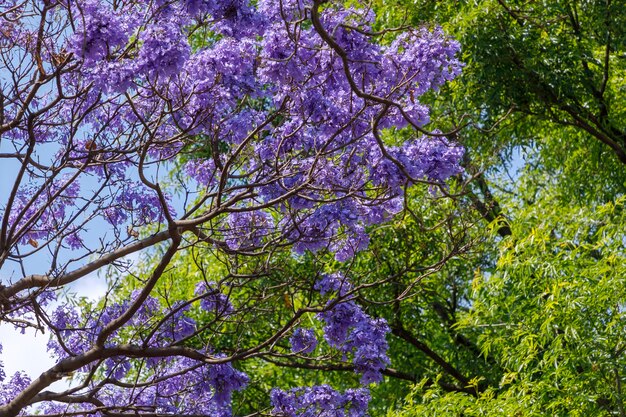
[(552, 316), (545, 309), (546, 76)]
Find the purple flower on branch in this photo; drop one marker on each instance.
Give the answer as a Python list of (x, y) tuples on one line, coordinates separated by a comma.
[(303, 341)]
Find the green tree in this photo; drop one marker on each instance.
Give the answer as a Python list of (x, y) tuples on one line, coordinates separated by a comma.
[(557, 61), (551, 315), (543, 83)]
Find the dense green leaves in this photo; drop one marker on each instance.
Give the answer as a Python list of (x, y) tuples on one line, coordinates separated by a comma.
[(551, 315), (557, 61)]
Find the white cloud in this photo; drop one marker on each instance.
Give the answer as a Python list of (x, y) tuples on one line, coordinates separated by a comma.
[(27, 352), (24, 352)]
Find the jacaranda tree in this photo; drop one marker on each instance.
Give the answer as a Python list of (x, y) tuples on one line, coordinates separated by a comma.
[(175, 125)]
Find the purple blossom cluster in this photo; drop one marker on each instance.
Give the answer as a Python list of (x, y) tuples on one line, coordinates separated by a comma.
[(135, 204), (77, 331), (37, 213), (303, 341), (175, 384), (213, 300), (320, 401), (247, 229), (163, 52), (349, 329), (2, 374), (333, 283), (11, 388), (104, 32)]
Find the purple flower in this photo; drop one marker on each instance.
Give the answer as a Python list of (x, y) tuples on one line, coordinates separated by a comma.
[(102, 31), (247, 229), (333, 283), (135, 203), (2, 374), (350, 329), (117, 368), (213, 300), (319, 401), (164, 50), (13, 387), (225, 379), (74, 240), (303, 341)]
